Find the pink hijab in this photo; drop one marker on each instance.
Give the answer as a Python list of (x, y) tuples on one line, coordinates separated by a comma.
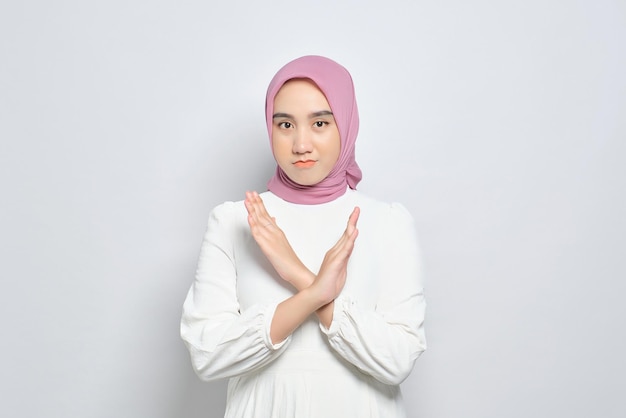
[(336, 84)]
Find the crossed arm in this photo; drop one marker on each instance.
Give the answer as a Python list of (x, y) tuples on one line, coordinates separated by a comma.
[(383, 341), (316, 293)]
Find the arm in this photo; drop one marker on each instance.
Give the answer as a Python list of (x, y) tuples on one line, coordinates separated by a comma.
[(223, 341), (315, 293), (385, 342)]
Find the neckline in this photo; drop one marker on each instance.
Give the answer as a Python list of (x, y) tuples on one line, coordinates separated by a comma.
[(349, 193)]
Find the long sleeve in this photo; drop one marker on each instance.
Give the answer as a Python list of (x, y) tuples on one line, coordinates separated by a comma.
[(224, 341), (384, 342)]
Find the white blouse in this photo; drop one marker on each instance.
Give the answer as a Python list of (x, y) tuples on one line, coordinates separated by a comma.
[(352, 369)]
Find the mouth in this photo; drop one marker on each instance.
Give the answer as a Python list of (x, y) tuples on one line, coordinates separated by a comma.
[(305, 164)]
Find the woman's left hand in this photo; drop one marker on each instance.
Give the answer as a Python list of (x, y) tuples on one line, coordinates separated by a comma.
[(274, 244), (334, 270)]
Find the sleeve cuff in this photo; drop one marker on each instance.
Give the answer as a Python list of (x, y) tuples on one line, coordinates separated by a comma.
[(267, 316), (340, 315)]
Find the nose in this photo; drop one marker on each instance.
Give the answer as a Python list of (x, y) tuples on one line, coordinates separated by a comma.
[(302, 142)]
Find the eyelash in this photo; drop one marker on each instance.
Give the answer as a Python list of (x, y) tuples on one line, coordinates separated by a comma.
[(316, 124)]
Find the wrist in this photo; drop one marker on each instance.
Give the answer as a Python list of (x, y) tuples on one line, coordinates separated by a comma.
[(316, 299), (321, 293), (302, 278)]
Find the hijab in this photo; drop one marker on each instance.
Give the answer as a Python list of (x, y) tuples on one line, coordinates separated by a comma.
[(336, 84)]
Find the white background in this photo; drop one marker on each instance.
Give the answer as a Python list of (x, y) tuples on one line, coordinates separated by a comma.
[(501, 125)]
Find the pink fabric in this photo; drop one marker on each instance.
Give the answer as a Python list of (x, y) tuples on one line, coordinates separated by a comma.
[(336, 84)]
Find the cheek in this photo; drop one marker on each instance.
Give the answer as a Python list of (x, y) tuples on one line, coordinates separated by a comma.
[(280, 147), (334, 148), (275, 143)]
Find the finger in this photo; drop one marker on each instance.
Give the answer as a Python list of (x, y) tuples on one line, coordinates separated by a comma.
[(255, 219), (248, 202), (251, 222), (353, 219), (353, 237), (259, 207), (343, 247), (351, 231), (351, 226), (256, 208), (262, 219), (251, 203), (257, 225), (354, 216)]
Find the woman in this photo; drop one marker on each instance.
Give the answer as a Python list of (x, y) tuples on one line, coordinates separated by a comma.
[(308, 315)]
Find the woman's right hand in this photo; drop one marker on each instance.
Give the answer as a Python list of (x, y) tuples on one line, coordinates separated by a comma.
[(333, 272), (274, 244)]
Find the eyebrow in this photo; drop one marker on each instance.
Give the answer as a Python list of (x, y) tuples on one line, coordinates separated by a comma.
[(311, 116)]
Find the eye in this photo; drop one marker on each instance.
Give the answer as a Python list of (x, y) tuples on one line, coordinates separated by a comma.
[(320, 124), (285, 125)]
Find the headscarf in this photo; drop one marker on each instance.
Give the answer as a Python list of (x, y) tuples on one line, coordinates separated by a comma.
[(336, 84)]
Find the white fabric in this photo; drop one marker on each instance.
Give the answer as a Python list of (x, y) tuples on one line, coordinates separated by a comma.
[(352, 369)]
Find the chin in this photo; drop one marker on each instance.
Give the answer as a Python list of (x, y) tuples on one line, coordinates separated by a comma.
[(305, 181), (309, 177)]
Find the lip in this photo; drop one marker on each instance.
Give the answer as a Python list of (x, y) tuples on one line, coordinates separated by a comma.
[(305, 164)]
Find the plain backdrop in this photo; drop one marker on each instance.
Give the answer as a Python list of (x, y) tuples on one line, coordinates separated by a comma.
[(501, 125)]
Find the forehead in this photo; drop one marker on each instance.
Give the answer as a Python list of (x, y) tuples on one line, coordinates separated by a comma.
[(300, 91)]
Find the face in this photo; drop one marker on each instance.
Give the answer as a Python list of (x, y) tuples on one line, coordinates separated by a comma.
[(305, 137)]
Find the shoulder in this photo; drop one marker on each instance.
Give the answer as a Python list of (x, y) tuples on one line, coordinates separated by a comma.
[(226, 209), (387, 212), (393, 228), (228, 213), (227, 225)]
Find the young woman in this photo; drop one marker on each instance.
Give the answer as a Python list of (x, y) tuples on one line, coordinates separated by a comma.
[(308, 296)]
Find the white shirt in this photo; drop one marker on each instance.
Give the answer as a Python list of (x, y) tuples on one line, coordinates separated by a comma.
[(352, 369)]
